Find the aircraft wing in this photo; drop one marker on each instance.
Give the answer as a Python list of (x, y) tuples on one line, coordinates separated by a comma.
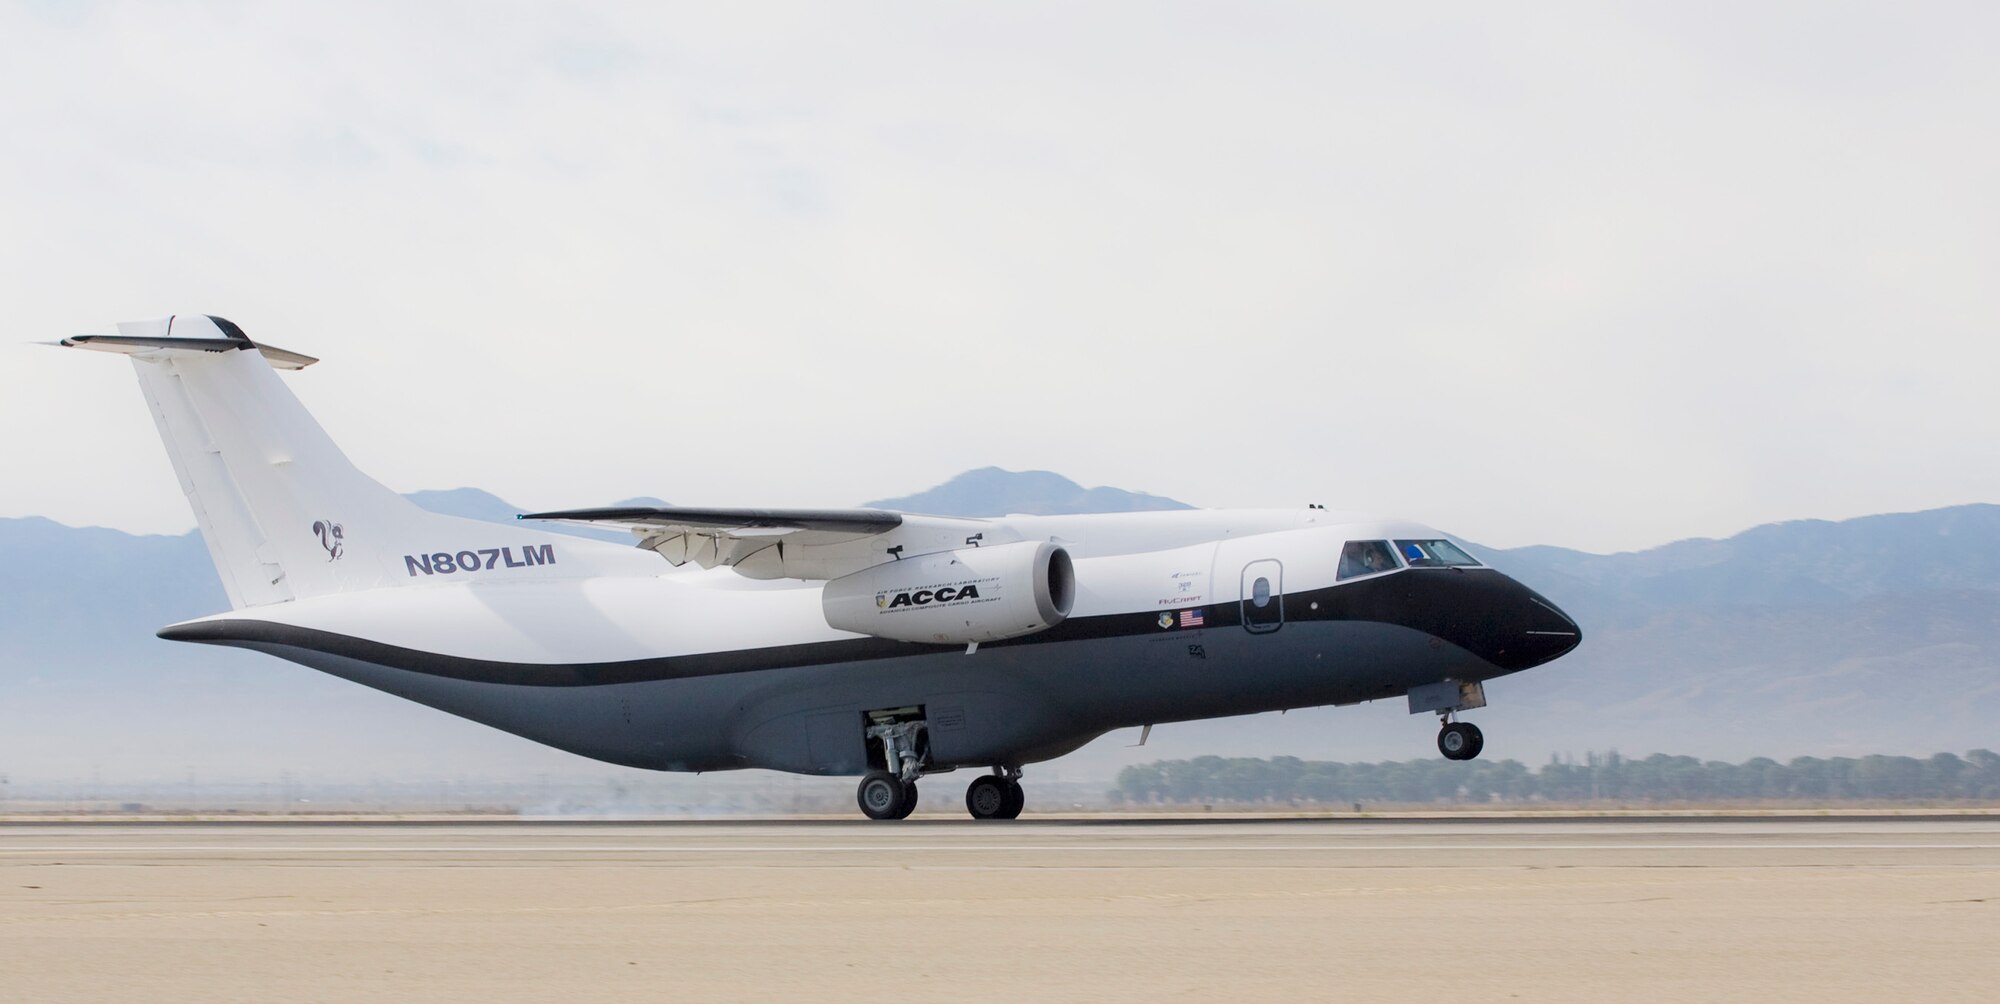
[(777, 543)]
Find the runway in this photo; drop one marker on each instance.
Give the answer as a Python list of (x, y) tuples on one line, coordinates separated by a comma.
[(1835, 909)]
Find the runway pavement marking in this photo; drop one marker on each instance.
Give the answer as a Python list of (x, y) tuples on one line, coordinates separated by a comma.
[(891, 847), (764, 903)]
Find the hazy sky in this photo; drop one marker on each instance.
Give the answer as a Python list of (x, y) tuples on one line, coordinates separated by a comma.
[(1579, 275)]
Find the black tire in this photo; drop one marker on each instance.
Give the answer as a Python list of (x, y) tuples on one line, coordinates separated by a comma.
[(882, 795), (1455, 743), (1016, 798), (1460, 741), (909, 800), (987, 797)]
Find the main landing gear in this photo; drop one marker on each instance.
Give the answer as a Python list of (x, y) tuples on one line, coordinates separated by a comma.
[(885, 796), (890, 791), (997, 795), (1460, 740)]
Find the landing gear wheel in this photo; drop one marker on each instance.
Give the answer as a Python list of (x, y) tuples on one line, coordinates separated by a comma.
[(883, 795), (1016, 798), (987, 797), (1460, 741)]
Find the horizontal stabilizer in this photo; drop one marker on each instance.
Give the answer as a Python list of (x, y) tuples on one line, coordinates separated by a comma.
[(283, 359), (186, 333)]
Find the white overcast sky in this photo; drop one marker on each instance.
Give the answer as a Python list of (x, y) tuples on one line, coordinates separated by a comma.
[(1586, 275)]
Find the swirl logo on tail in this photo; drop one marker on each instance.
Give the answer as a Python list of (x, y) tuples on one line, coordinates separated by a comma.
[(330, 537)]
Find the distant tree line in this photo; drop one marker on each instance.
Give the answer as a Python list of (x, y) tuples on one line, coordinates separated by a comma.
[(1599, 777)]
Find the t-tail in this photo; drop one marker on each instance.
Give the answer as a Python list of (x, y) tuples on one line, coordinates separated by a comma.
[(284, 514)]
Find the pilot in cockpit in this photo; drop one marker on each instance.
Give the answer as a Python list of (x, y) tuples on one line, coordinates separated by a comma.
[(1365, 557)]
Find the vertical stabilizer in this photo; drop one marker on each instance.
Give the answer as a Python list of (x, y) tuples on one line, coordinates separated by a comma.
[(284, 514), (283, 511)]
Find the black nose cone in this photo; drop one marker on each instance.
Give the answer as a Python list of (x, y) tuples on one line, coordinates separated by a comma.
[(1479, 610), (1486, 613), (1543, 632)]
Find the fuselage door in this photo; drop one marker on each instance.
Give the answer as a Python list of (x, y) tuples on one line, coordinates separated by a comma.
[(1263, 596)]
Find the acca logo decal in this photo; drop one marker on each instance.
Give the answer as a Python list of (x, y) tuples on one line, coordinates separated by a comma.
[(962, 593), (331, 536)]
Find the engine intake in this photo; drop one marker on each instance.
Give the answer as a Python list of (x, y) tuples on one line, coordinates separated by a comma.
[(957, 597)]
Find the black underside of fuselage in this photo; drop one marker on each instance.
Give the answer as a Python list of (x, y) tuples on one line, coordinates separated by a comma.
[(798, 708)]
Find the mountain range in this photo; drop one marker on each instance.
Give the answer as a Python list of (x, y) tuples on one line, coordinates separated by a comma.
[(990, 491), (1879, 634)]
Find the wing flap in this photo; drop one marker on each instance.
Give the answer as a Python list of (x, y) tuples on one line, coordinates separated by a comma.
[(711, 537)]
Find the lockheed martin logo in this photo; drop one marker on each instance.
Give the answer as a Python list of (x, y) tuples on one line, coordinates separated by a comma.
[(330, 537)]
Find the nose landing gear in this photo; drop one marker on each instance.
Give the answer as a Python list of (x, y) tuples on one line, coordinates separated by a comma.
[(1460, 740), (1456, 740)]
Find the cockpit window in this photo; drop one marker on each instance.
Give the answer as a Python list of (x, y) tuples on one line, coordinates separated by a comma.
[(1434, 554), (1366, 557)]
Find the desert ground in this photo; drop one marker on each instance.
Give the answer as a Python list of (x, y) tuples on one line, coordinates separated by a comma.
[(1837, 909)]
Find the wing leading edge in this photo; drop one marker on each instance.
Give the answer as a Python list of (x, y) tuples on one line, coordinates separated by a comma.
[(851, 523)]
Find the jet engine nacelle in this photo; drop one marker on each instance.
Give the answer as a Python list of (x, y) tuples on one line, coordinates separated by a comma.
[(957, 597)]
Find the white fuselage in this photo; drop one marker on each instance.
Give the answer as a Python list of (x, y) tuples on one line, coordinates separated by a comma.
[(606, 652), (819, 641)]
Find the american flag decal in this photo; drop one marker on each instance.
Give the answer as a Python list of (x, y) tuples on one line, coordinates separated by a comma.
[(1190, 618)]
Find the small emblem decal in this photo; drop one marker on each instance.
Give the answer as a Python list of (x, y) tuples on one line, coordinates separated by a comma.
[(331, 536), (1167, 620)]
